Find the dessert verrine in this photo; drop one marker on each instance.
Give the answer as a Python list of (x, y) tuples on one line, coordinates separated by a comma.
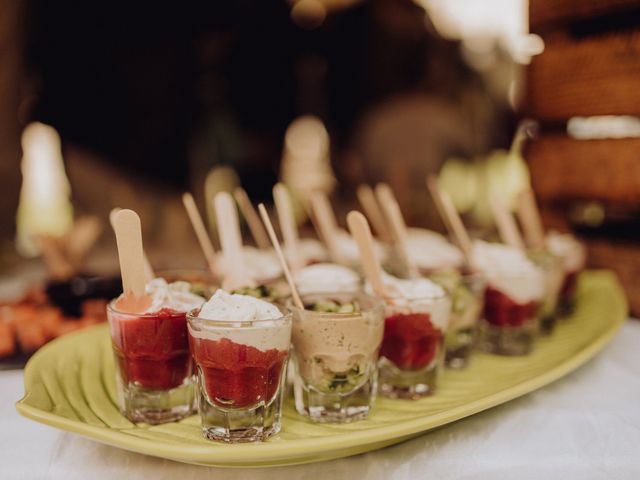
[(515, 290), (467, 302), (326, 278), (416, 319), (240, 346), (552, 268), (311, 251), (153, 365), (574, 256), (432, 252), (264, 268), (348, 249), (336, 339)]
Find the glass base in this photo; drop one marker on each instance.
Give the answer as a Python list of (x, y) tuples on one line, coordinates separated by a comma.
[(507, 340), (458, 347), (141, 405), (566, 306), (240, 425), (324, 407), (405, 384), (547, 325)]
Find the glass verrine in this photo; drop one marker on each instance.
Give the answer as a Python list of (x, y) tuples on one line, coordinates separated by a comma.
[(467, 302), (552, 268), (153, 365), (336, 343), (412, 347), (240, 370), (510, 318), (201, 282)]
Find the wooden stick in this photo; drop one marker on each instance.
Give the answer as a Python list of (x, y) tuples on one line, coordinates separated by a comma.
[(288, 226), (276, 245), (529, 217), (231, 241), (251, 217), (372, 210), (359, 228), (434, 190), (201, 231), (391, 209), (325, 220), (459, 232), (126, 224), (507, 228), (149, 274)]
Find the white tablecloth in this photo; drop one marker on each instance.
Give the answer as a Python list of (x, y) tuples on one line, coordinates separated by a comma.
[(585, 426)]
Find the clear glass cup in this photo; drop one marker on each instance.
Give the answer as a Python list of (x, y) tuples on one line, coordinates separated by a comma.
[(335, 357), (568, 290), (467, 302), (509, 327), (153, 365), (552, 267), (240, 370), (412, 347)]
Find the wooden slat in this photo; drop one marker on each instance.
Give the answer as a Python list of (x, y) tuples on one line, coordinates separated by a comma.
[(544, 14), (624, 259), (563, 168), (593, 76)]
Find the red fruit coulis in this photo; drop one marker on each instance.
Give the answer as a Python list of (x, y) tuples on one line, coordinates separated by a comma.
[(410, 340), (501, 311), (153, 350), (569, 286), (237, 375)]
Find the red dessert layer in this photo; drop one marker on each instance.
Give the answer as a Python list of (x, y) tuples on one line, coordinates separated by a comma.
[(236, 375), (569, 286), (501, 311), (153, 350), (410, 340)]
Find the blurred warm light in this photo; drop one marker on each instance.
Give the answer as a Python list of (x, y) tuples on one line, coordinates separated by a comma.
[(604, 126), (477, 22), (308, 14), (593, 214), (306, 165), (45, 207)]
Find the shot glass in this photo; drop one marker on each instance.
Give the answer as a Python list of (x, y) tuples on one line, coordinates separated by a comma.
[(552, 268), (240, 370), (509, 327), (335, 356), (412, 349), (153, 365), (467, 302)]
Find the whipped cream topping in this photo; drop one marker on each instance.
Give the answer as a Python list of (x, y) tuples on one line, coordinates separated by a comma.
[(510, 271), (326, 278), (412, 288), (261, 265), (431, 251), (312, 250), (238, 308), (569, 249), (273, 332), (348, 248), (176, 296)]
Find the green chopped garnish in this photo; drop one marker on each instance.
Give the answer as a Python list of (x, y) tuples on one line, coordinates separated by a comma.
[(334, 306)]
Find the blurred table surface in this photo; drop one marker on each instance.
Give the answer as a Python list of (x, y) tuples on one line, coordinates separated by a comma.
[(584, 426)]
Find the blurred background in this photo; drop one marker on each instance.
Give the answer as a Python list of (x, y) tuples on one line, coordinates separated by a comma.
[(114, 104)]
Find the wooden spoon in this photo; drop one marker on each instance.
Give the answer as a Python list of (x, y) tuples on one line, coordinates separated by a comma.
[(201, 231), (251, 217), (359, 228), (288, 226)]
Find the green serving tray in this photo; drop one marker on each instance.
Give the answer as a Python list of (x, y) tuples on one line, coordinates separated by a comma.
[(69, 384)]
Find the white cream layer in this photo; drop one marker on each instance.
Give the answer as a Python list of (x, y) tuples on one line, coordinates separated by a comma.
[(569, 249), (326, 278), (431, 251), (508, 270), (262, 265), (176, 296)]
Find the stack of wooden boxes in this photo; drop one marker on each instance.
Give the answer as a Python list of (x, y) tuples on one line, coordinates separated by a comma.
[(590, 66)]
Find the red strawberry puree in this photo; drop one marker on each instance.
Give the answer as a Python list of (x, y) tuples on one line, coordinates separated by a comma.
[(152, 350), (501, 311), (410, 340), (237, 375)]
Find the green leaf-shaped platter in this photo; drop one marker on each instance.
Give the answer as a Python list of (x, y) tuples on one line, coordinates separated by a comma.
[(69, 384)]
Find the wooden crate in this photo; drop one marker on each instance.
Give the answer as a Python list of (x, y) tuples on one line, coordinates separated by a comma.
[(592, 76), (548, 14), (564, 169)]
